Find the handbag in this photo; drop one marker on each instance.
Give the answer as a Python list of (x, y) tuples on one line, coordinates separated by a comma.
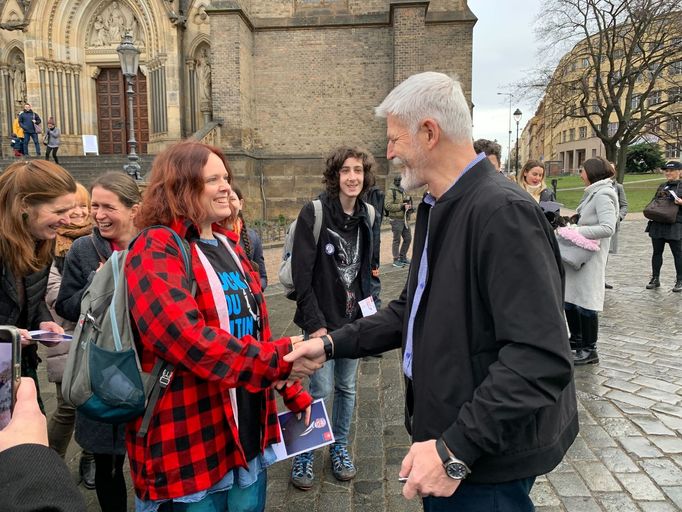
[(662, 209), (36, 126), (575, 249)]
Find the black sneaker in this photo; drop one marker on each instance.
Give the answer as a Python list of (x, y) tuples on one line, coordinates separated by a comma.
[(654, 283), (678, 286), (398, 263)]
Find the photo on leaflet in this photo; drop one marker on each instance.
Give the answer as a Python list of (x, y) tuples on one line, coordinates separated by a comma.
[(297, 437)]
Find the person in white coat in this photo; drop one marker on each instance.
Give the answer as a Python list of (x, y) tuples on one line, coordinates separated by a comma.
[(584, 297)]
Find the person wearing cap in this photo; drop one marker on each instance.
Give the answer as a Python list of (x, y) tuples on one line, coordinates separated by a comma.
[(670, 234)]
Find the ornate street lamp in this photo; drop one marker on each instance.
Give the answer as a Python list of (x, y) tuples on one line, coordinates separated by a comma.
[(517, 118), (130, 60)]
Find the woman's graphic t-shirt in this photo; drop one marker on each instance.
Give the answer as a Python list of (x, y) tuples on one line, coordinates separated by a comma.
[(244, 320)]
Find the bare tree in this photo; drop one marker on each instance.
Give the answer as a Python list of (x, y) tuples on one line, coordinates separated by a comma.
[(623, 68)]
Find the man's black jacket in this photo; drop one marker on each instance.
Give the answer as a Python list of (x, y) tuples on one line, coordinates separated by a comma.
[(492, 367)]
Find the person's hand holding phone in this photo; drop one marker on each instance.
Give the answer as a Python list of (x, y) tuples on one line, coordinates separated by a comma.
[(28, 425)]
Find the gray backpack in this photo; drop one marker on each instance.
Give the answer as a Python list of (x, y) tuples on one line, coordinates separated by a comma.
[(103, 378)]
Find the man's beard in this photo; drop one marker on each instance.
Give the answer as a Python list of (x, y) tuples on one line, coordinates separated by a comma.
[(411, 173)]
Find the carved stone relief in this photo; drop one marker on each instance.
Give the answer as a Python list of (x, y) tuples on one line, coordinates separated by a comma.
[(112, 23)]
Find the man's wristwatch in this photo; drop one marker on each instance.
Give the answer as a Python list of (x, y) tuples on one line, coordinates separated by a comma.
[(454, 468)]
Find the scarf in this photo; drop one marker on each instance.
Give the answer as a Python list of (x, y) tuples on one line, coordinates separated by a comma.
[(67, 234)]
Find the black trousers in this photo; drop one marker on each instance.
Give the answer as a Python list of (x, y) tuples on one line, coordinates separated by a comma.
[(110, 483), (658, 245), (49, 150)]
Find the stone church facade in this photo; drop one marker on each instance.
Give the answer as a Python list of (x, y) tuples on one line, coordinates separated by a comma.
[(275, 83)]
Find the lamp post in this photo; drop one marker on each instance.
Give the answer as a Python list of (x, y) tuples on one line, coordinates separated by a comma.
[(509, 140), (130, 60), (517, 118)]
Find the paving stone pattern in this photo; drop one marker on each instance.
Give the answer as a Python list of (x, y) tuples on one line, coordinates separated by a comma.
[(628, 456)]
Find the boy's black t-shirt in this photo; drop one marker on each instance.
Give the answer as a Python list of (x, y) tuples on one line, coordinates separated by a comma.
[(244, 320)]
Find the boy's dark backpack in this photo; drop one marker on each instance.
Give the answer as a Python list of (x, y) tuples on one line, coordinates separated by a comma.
[(103, 377)]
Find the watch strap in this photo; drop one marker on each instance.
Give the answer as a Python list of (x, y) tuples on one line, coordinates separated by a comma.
[(328, 346), (442, 451)]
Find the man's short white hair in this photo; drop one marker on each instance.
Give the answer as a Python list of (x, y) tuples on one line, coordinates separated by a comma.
[(430, 95)]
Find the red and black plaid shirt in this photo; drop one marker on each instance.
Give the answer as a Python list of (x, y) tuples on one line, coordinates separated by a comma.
[(193, 440)]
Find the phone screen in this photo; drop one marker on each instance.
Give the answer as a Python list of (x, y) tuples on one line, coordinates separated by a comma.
[(8, 347)]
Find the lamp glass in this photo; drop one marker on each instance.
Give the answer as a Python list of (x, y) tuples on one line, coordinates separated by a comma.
[(129, 56), (517, 115)]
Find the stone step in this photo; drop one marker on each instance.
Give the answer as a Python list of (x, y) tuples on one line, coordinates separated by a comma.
[(86, 168)]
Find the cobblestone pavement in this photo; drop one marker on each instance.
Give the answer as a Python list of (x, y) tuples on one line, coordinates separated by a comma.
[(628, 456)]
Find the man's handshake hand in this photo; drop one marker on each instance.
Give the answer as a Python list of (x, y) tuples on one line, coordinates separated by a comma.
[(307, 357)]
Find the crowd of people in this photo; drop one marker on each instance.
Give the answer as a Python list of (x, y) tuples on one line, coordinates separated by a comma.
[(490, 400)]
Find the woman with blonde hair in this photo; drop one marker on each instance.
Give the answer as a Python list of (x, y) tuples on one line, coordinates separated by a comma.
[(36, 198), (61, 423), (532, 180)]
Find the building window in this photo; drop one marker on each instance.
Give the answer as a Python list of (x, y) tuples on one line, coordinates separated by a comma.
[(594, 153), (563, 136), (676, 68), (654, 98), (634, 102), (571, 134), (675, 94), (582, 132), (674, 126), (673, 150), (613, 128), (586, 62)]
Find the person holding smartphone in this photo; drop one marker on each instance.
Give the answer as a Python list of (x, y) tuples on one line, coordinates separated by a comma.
[(36, 198), (32, 476)]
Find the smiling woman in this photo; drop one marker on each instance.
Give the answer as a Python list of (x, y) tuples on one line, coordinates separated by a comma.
[(36, 198), (210, 326)]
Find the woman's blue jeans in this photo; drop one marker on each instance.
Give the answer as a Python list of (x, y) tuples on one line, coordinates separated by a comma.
[(235, 499), (339, 374)]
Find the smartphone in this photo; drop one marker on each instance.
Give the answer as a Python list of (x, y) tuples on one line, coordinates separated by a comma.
[(10, 371)]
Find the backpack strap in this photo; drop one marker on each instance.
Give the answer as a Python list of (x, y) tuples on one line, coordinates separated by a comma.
[(162, 372), (372, 213), (317, 226)]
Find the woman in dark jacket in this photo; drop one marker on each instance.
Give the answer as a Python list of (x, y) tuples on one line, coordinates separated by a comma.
[(670, 234), (115, 202), (35, 200)]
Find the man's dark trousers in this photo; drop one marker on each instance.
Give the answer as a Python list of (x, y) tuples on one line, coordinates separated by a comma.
[(27, 137), (505, 497)]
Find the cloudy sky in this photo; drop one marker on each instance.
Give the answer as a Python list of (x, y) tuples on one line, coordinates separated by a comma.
[(504, 50)]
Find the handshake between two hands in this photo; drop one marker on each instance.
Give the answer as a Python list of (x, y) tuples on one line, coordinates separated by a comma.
[(307, 357)]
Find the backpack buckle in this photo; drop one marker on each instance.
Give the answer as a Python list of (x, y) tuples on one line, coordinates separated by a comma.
[(165, 377)]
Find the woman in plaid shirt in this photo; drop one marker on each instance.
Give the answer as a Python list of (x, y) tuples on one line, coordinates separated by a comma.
[(208, 442)]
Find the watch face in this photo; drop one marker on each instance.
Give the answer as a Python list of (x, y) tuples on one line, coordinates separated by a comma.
[(456, 470)]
